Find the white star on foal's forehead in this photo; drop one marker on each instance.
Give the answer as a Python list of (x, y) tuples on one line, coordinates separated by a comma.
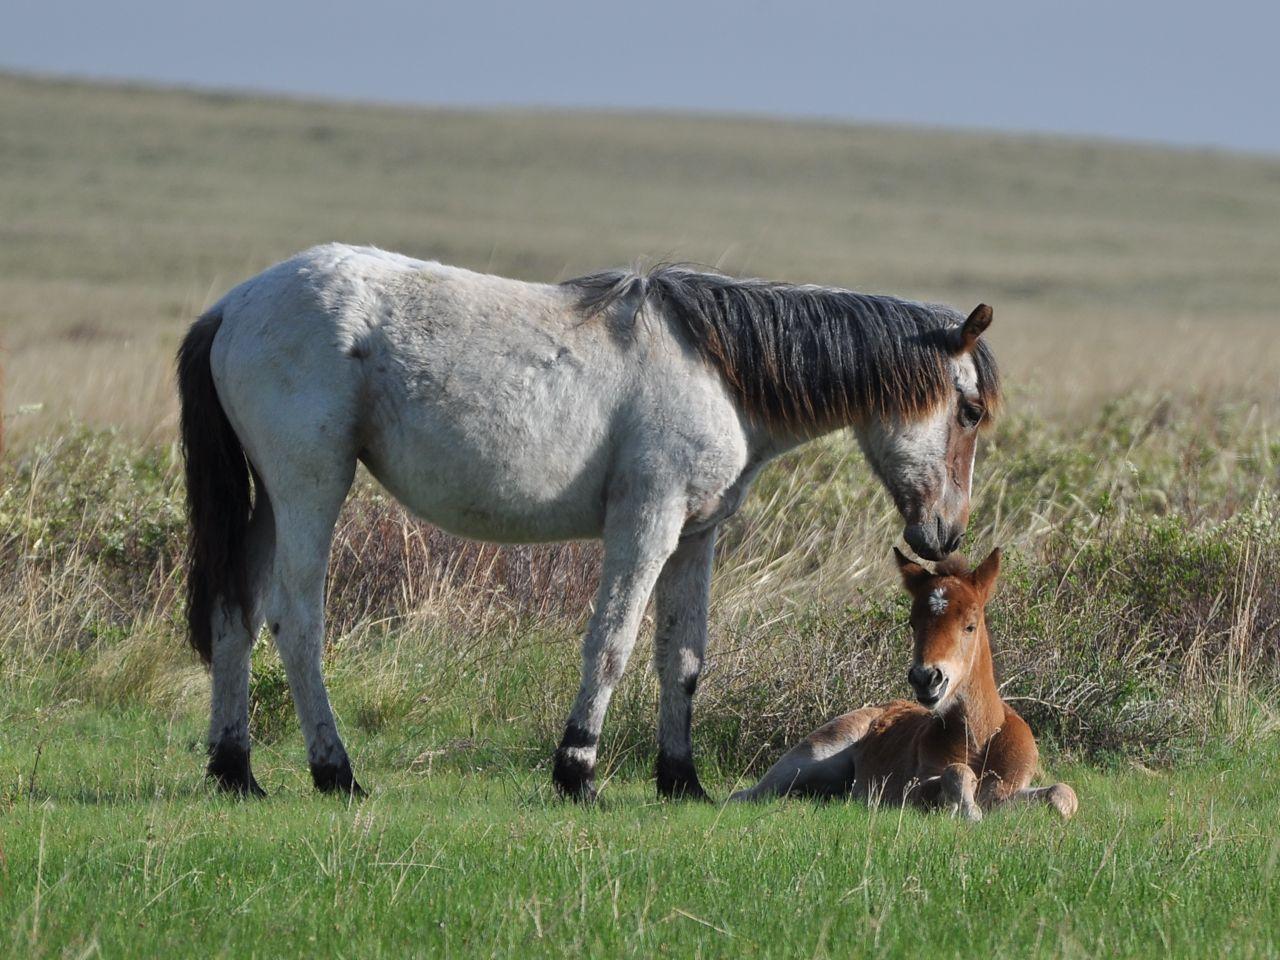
[(937, 601)]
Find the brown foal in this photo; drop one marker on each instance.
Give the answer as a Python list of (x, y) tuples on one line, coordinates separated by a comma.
[(960, 746)]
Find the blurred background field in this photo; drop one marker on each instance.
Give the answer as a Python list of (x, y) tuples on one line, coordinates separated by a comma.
[(1112, 268)]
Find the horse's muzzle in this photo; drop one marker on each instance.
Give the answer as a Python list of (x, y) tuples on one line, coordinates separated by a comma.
[(933, 541), (929, 683)]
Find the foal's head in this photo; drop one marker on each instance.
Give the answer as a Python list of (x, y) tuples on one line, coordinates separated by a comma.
[(947, 618), (926, 462)]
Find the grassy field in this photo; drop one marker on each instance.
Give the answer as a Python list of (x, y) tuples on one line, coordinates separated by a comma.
[(1134, 480), (132, 859)]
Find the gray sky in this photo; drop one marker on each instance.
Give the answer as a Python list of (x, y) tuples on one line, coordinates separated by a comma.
[(1198, 74)]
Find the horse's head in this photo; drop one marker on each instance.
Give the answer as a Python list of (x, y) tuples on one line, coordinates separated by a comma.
[(948, 622), (926, 462)]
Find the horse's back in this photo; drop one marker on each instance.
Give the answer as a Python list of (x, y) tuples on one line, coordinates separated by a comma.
[(495, 408)]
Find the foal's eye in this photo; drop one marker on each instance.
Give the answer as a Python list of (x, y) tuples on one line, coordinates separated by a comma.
[(970, 414), (970, 628)]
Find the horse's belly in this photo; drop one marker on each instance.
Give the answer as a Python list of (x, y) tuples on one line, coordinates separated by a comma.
[(521, 472), (479, 512)]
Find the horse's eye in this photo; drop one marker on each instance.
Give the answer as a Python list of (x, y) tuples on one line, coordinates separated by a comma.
[(970, 414), (970, 628)]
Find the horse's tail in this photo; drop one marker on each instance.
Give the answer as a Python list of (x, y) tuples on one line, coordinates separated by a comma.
[(219, 491)]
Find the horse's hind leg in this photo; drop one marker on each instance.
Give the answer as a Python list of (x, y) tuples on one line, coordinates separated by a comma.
[(1060, 796), (306, 509), (679, 645), (820, 765), (233, 637)]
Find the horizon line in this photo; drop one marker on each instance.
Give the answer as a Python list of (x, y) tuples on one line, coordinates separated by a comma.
[(124, 82)]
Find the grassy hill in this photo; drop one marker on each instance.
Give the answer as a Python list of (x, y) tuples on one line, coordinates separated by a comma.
[(123, 211)]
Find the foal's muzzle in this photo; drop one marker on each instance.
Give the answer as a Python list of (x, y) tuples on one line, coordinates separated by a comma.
[(929, 683), (933, 541)]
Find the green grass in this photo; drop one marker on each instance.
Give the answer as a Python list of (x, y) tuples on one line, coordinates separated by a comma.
[(1141, 642), (117, 848)]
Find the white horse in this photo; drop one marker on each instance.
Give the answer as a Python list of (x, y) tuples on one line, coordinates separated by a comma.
[(633, 407)]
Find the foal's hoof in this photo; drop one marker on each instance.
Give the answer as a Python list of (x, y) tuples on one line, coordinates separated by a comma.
[(1063, 799), (678, 780), (968, 811), (229, 769), (574, 778), (337, 778)]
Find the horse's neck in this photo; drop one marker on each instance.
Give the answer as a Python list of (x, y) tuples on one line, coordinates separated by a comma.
[(767, 441), (978, 711)]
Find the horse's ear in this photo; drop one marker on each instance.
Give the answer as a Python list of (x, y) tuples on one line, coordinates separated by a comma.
[(914, 576), (984, 578), (973, 328), (632, 299)]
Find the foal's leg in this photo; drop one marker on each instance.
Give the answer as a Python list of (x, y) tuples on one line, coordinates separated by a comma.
[(639, 536), (1060, 796), (820, 765), (233, 638), (294, 612), (679, 645), (959, 785)]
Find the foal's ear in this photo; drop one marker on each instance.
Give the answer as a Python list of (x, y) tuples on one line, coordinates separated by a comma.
[(973, 328), (914, 576), (984, 578)]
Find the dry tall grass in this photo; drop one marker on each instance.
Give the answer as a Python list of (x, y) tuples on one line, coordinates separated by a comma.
[(1134, 616)]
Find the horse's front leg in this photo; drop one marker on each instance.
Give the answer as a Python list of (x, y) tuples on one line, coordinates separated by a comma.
[(681, 602), (639, 536), (959, 785)]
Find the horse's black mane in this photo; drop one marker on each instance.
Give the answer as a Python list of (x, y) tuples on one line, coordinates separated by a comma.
[(806, 355)]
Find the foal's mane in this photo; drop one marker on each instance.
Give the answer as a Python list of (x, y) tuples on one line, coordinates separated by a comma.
[(800, 355), (956, 565)]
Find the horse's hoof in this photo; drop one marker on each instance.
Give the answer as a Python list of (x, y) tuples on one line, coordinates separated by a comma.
[(337, 778), (229, 769), (240, 790), (1063, 799), (678, 780), (574, 778), (692, 794)]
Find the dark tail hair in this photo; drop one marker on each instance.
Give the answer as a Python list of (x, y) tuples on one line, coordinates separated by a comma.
[(219, 491)]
